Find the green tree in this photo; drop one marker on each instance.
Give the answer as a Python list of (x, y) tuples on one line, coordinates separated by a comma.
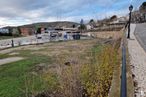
[(82, 26), (114, 17), (16, 32), (92, 23), (143, 7)]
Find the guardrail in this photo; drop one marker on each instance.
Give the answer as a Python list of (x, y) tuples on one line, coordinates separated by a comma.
[(123, 92)]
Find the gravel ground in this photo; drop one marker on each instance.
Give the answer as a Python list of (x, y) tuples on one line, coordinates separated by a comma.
[(138, 63)]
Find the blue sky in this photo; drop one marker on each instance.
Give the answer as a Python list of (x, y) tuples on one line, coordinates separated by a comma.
[(19, 12)]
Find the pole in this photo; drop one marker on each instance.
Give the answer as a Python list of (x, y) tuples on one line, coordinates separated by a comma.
[(12, 43), (129, 25)]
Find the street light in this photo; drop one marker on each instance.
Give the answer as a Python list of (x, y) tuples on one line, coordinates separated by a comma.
[(130, 9)]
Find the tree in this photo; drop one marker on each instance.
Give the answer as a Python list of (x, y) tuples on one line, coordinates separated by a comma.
[(82, 25), (73, 25), (38, 30), (16, 32), (114, 17), (143, 7), (92, 23), (82, 22)]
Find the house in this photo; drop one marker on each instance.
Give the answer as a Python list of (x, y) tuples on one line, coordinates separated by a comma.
[(7, 30), (119, 20), (26, 31), (139, 16), (4, 31), (89, 27)]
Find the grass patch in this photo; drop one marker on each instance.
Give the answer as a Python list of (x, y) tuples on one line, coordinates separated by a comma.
[(6, 37), (16, 78), (2, 56)]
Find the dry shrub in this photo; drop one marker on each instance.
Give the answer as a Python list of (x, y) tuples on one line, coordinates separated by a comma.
[(96, 77)]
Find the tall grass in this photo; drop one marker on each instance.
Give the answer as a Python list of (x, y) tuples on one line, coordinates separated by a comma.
[(97, 77), (87, 80)]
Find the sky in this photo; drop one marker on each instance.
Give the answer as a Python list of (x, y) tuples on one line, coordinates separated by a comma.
[(20, 12)]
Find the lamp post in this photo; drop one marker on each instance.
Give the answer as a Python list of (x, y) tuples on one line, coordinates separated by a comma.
[(130, 9)]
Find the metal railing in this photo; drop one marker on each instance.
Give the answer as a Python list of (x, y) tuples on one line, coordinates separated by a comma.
[(123, 92)]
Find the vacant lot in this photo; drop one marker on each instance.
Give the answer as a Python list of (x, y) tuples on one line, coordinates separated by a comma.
[(60, 68), (13, 76)]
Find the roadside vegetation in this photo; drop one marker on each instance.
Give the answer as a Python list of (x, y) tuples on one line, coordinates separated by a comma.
[(6, 37), (82, 68)]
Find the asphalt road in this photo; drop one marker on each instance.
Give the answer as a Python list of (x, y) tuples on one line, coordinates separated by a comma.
[(140, 33)]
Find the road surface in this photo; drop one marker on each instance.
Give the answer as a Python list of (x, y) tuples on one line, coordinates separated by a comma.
[(140, 33)]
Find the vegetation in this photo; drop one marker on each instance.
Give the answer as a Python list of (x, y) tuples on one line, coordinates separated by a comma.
[(143, 6), (97, 76), (82, 68), (92, 23), (87, 80), (16, 32), (15, 78), (82, 25), (114, 17), (6, 37)]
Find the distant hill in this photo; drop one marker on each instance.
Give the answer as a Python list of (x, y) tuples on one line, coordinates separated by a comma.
[(52, 24)]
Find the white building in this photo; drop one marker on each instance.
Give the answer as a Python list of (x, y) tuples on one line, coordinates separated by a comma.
[(4, 31), (89, 27)]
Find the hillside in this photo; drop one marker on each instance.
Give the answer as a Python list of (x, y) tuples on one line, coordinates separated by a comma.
[(52, 24)]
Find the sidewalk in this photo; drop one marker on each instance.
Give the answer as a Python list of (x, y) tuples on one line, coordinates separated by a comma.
[(138, 62), (9, 60)]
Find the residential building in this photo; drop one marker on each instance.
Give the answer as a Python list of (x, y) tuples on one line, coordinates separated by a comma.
[(4, 31), (26, 31)]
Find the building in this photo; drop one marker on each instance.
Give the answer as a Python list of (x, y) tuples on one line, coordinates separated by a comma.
[(89, 27), (4, 31), (119, 20), (26, 31), (139, 16)]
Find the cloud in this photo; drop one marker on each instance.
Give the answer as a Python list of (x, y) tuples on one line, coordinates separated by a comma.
[(17, 12)]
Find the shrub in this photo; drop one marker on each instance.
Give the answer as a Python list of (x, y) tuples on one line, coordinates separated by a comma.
[(96, 78)]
